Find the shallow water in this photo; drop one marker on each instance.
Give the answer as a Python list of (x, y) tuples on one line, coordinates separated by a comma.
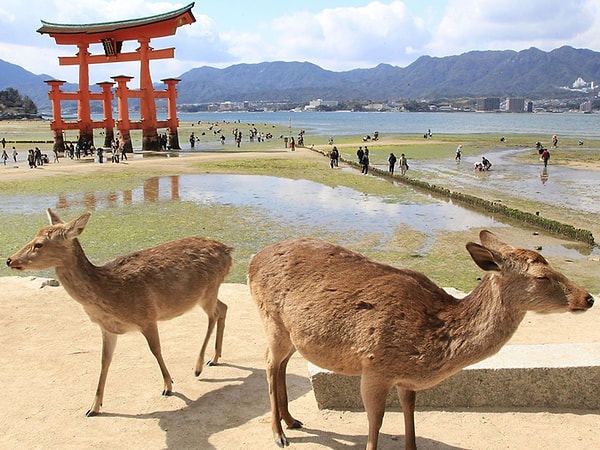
[(306, 204), (560, 186)]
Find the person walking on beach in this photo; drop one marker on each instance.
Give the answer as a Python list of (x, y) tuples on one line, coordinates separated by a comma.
[(364, 162), (392, 163), (545, 157), (3, 143), (359, 154), (15, 154), (458, 153), (403, 164), (334, 157), (4, 156), (37, 154), (31, 158)]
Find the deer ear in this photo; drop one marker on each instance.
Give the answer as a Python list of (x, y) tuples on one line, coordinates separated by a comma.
[(53, 217), (76, 226), (491, 241), (483, 257)]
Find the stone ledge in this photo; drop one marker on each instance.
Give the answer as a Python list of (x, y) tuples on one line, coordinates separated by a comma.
[(547, 376)]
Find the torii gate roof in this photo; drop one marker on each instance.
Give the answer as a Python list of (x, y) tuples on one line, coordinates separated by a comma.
[(160, 25)]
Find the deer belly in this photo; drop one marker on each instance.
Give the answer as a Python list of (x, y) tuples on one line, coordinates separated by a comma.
[(342, 359), (109, 322)]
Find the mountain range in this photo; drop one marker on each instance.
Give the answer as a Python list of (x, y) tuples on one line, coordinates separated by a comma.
[(531, 73)]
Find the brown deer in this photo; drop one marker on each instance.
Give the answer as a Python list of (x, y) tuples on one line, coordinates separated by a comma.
[(134, 291), (393, 327)]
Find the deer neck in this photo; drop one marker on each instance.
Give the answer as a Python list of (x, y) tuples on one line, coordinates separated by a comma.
[(77, 275), (486, 319)]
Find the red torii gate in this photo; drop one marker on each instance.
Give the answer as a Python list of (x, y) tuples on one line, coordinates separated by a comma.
[(112, 35)]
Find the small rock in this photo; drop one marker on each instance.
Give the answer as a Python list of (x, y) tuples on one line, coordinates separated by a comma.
[(50, 282)]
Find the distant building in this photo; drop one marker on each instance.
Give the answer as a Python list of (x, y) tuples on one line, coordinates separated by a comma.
[(515, 104), (585, 107), (314, 104), (530, 106), (488, 104)]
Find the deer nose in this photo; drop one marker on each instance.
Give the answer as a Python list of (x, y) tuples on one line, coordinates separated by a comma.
[(590, 300), (8, 261)]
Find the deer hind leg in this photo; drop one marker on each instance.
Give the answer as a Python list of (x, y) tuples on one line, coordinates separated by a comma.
[(216, 317), (109, 342), (407, 400), (221, 316), (151, 334), (374, 392), (279, 351), (282, 398)]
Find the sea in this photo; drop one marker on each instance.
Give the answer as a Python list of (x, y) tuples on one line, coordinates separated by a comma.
[(345, 123)]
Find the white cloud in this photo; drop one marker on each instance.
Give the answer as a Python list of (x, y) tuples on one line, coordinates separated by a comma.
[(336, 38), (512, 24), (341, 38)]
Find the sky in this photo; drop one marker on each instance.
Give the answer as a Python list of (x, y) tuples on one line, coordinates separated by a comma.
[(337, 35)]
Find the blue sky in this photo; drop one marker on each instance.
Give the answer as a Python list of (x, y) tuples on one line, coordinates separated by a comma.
[(337, 35)]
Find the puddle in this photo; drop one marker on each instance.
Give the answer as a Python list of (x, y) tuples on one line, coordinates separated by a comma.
[(305, 204), (310, 207)]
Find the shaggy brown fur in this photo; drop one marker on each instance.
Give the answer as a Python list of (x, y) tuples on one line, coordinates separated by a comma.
[(393, 327)]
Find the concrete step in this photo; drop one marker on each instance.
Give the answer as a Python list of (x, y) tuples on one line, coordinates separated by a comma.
[(545, 376)]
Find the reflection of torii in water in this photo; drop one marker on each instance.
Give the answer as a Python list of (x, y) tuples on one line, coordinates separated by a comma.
[(151, 193), (112, 35)]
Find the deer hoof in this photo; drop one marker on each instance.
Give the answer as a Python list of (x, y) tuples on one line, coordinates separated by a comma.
[(91, 413), (282, 442), (210, 363), (295, 425), (167, 393)]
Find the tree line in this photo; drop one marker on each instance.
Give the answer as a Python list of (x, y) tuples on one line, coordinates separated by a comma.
[(15, 105)]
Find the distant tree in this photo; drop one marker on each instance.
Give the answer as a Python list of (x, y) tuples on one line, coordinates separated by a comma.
[(15, 104), (415, 106)]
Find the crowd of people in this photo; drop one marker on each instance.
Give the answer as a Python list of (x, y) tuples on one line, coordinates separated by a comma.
[(36, 158), (362, 155)]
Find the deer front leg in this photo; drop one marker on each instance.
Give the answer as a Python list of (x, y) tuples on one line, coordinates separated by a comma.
[(407, 400), (374, 392), (109, 342), (153, 339)]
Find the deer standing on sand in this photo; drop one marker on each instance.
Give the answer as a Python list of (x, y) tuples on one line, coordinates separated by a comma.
[(134, 291), (393, 327)]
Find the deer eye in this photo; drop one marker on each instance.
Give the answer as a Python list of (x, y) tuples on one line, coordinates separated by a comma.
[(37, 245), (542, 278)]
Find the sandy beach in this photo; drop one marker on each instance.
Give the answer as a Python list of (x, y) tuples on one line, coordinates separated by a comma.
[(51, 359)]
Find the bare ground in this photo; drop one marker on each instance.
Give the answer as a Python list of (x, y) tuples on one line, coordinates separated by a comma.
[(51, 358)]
